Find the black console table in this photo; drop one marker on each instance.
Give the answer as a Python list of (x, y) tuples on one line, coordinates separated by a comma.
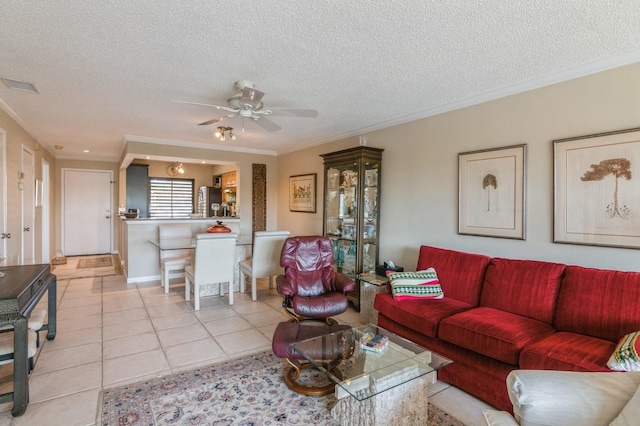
[(21, 288)]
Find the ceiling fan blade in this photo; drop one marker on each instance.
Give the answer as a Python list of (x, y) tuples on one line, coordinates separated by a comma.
[(212, 121), (309, 113), (267, 124), (225, 108)]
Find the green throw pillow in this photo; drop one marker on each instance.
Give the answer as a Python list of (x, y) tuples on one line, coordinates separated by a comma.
[(415, 285), (625, 357)]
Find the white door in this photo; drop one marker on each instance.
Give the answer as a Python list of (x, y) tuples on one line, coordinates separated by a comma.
[(86, 206), (3, 198), (28, 190)]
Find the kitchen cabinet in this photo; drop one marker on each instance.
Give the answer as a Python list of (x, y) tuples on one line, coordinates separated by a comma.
[(351, 210), (229, 180), (137, 188)]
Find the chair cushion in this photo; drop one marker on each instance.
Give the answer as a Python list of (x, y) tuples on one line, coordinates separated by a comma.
[(422, 315), (630, 413), (494, 333), (320, 306), (567, 351), (568, 398), (625, 357), (6, 343), (176, 262)]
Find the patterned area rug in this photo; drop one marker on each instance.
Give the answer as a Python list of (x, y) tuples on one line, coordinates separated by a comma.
[(94, 262), (246, 391)]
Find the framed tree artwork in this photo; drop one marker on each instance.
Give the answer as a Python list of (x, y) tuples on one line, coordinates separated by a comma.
[(491, 192), (597, 190)]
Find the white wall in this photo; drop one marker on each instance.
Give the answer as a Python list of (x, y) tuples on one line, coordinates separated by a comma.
[(420, 169)]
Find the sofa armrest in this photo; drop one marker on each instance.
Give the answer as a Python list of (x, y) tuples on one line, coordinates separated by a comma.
[(497, 418), (569, 397)]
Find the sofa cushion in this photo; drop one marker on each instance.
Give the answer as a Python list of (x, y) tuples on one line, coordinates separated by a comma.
[(422, 315), (568, 352), (523, 287), (497, 334), (599, 303), (415, 285), (460, 274), (625, 357)]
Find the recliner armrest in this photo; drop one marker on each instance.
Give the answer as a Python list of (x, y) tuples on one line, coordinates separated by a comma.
[(343, 283), (283, 286)]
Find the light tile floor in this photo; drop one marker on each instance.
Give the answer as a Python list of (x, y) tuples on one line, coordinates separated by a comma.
[(112, 333)]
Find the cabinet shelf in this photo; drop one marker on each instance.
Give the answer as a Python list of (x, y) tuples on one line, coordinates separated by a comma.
[(351, 213)]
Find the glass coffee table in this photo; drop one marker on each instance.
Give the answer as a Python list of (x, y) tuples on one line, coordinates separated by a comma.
[(376, 388)]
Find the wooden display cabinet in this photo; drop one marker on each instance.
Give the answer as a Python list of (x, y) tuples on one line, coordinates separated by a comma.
[(351, 212)]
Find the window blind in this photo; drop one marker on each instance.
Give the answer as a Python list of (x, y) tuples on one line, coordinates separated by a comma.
[(170, 198)]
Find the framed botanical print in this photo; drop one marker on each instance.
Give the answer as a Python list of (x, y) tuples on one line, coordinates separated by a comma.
[(302, 193), (491, 192), (597, 189)]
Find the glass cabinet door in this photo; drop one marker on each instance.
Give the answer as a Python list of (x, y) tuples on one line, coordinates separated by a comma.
[(341, 215), (370, 217)]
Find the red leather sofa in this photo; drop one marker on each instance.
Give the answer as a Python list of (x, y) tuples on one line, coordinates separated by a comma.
[(498, 315)]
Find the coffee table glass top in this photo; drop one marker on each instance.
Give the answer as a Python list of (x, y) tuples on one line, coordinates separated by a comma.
[(368, 373)]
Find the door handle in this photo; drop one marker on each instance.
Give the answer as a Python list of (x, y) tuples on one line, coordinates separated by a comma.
[(27, 229), (5, 235)]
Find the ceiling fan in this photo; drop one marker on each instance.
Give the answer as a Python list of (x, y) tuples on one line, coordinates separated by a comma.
[(248, 104)]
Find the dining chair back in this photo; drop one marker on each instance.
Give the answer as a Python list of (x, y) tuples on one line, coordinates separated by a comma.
[(173, 260), (213, 264), (265, 259)]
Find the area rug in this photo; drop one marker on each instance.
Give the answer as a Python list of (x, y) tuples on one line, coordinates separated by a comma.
[(81, 267), (95, 262), (245, 391)]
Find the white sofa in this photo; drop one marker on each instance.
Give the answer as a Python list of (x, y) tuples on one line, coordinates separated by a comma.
[(543, 397)]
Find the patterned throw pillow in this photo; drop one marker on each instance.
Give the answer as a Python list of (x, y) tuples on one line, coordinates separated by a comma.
[(415, 285), (625, 357)]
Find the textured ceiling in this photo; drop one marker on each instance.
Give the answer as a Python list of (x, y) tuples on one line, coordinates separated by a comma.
[(108, 70)]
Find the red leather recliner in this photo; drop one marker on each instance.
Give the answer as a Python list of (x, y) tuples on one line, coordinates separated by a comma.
[(312, 289)]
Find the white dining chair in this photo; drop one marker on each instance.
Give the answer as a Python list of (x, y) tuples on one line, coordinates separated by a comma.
[(173, 260), (265, 259), (213, 264)]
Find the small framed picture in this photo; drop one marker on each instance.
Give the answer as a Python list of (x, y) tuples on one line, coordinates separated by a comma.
[(302, 193), (491, 192), (597, 189)]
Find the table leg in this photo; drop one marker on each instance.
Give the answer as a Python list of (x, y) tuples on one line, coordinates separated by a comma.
[(20, 367), (52, 304)]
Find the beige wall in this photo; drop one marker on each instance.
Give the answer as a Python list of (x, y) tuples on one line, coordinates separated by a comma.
[(419, 178), (16, 137), (420, 174)]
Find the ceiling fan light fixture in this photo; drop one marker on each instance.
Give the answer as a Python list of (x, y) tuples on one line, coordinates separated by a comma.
[(221, 133)]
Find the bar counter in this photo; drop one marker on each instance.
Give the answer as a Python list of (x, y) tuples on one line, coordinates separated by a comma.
[(141, 259)]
